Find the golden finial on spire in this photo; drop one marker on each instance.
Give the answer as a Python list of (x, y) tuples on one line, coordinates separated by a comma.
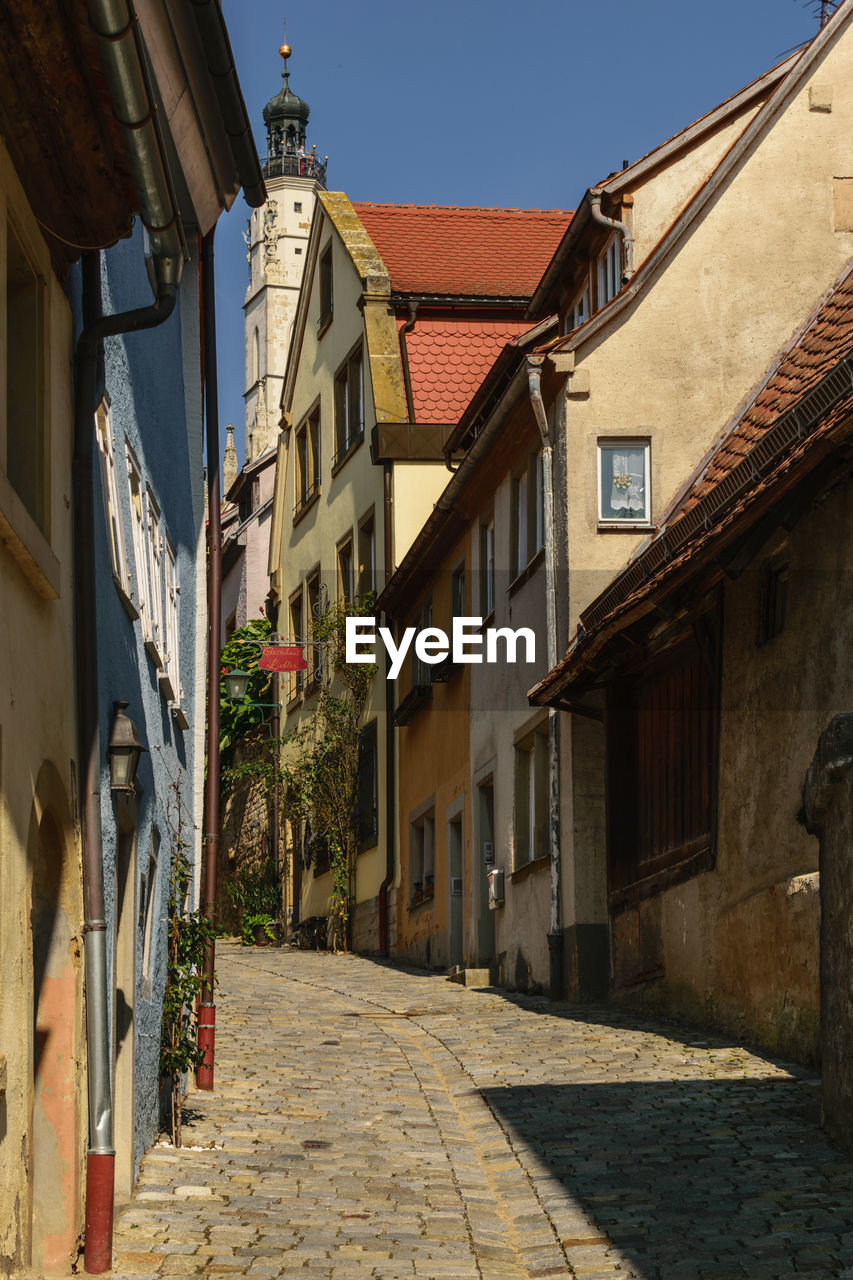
[(285, 49)]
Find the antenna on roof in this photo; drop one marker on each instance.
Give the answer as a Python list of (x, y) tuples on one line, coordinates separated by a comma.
[(822, 9)]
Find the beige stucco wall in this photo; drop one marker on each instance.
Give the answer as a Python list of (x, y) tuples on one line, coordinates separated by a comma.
[(739, 945), (499, 712), (433, 771), (344, 499), (663, 193), (37, 776), (676, 364)]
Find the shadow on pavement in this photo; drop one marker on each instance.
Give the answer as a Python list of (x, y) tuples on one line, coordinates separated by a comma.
[(695, 1178)]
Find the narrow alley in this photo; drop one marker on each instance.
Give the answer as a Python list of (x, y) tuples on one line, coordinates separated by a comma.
[(373, 1122)]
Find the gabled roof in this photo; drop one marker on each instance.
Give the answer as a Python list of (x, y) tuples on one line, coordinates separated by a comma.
[(789, 426), (450, 251), (625, 180), (796, 71), (449, 358)]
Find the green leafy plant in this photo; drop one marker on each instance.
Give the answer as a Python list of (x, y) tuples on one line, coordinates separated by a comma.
[(190, 933), (241, 719), (254, 922), (319, 763), (255, 889)]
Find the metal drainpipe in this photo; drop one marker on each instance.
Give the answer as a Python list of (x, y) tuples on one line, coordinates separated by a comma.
[(404, 356), (555, 937), (114, 25), (390, 758), (207, 1008), (100, 1160), (627, 233)]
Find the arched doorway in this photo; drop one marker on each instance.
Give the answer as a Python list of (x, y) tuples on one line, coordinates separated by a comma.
[(55, 1140)]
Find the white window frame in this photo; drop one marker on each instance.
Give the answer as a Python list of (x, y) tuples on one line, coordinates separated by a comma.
[(578, 312), (170, 681), (610, 269), (487, 567), (528, 514), (138, 537), (634, 444), (112, 506), (154, 559)]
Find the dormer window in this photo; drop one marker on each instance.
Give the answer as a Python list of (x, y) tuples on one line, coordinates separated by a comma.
[(610, 270), (578, 312)]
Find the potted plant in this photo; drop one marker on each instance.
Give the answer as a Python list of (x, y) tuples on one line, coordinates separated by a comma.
[(258, 930)]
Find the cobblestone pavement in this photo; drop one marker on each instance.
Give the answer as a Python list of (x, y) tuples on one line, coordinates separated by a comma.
[(375, 1122)]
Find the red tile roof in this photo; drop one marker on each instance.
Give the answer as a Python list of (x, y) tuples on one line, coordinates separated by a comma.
[(448, 360), (456, 251), (784, 430)]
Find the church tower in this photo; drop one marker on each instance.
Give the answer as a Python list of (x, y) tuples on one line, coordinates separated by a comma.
[(277, 241)]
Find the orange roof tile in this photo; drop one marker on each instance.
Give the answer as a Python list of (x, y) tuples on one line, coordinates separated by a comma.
[(464, 252), (448, 360)]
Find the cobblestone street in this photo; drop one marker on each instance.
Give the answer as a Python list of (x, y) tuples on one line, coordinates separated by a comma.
[(371, 1122)]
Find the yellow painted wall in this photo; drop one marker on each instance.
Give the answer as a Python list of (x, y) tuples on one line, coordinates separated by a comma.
[(38, 753)]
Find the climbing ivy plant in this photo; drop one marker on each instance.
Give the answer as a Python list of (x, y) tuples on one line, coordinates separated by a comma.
[(319, 761), (189, 934), (241, 653)]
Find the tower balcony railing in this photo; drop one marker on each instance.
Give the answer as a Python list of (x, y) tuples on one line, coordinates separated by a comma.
[(290, 166)]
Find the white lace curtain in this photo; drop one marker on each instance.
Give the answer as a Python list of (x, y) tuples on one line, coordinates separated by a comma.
[(628, 487)]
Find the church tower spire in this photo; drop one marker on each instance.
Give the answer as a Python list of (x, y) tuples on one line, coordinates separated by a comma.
[(277, 241)]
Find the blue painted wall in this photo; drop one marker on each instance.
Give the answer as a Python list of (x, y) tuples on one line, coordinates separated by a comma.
[(152, 379)]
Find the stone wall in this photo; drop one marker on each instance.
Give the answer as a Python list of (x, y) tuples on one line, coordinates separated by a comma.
[(245, 832)]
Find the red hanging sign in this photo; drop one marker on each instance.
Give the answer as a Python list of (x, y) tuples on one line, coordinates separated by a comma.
[(282, 657)]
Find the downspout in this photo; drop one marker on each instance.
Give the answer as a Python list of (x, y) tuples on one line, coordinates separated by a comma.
[(206, 1007), (406, 329), (390, 754), (100, 1160), (555, 936), (627, 233), (114, 27), (390, 739)]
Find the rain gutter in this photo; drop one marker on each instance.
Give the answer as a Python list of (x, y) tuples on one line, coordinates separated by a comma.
[(555, 935), (115, 26)]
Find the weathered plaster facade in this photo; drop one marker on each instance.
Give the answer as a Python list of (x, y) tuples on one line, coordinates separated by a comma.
[(723, 277), (42, 1045)]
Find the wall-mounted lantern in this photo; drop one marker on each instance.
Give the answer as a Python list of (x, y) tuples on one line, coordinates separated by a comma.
[(124, 750), (237, 683)]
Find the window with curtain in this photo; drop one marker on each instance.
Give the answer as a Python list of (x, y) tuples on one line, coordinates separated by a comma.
[(623, 482)]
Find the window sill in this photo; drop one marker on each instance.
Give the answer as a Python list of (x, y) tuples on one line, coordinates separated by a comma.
[(180, 718), (154, 653), (167, 689), (667, 878), (444, 671), (27, 544), (530, 868), (302, 508), (426, 900), (369, 842), (294, 702), (625, 526), (127, 601), (415, 700), (340, 460), (526, 574), (323, 323)]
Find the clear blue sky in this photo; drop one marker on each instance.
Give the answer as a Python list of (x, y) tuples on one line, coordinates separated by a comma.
[(484, 102)]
